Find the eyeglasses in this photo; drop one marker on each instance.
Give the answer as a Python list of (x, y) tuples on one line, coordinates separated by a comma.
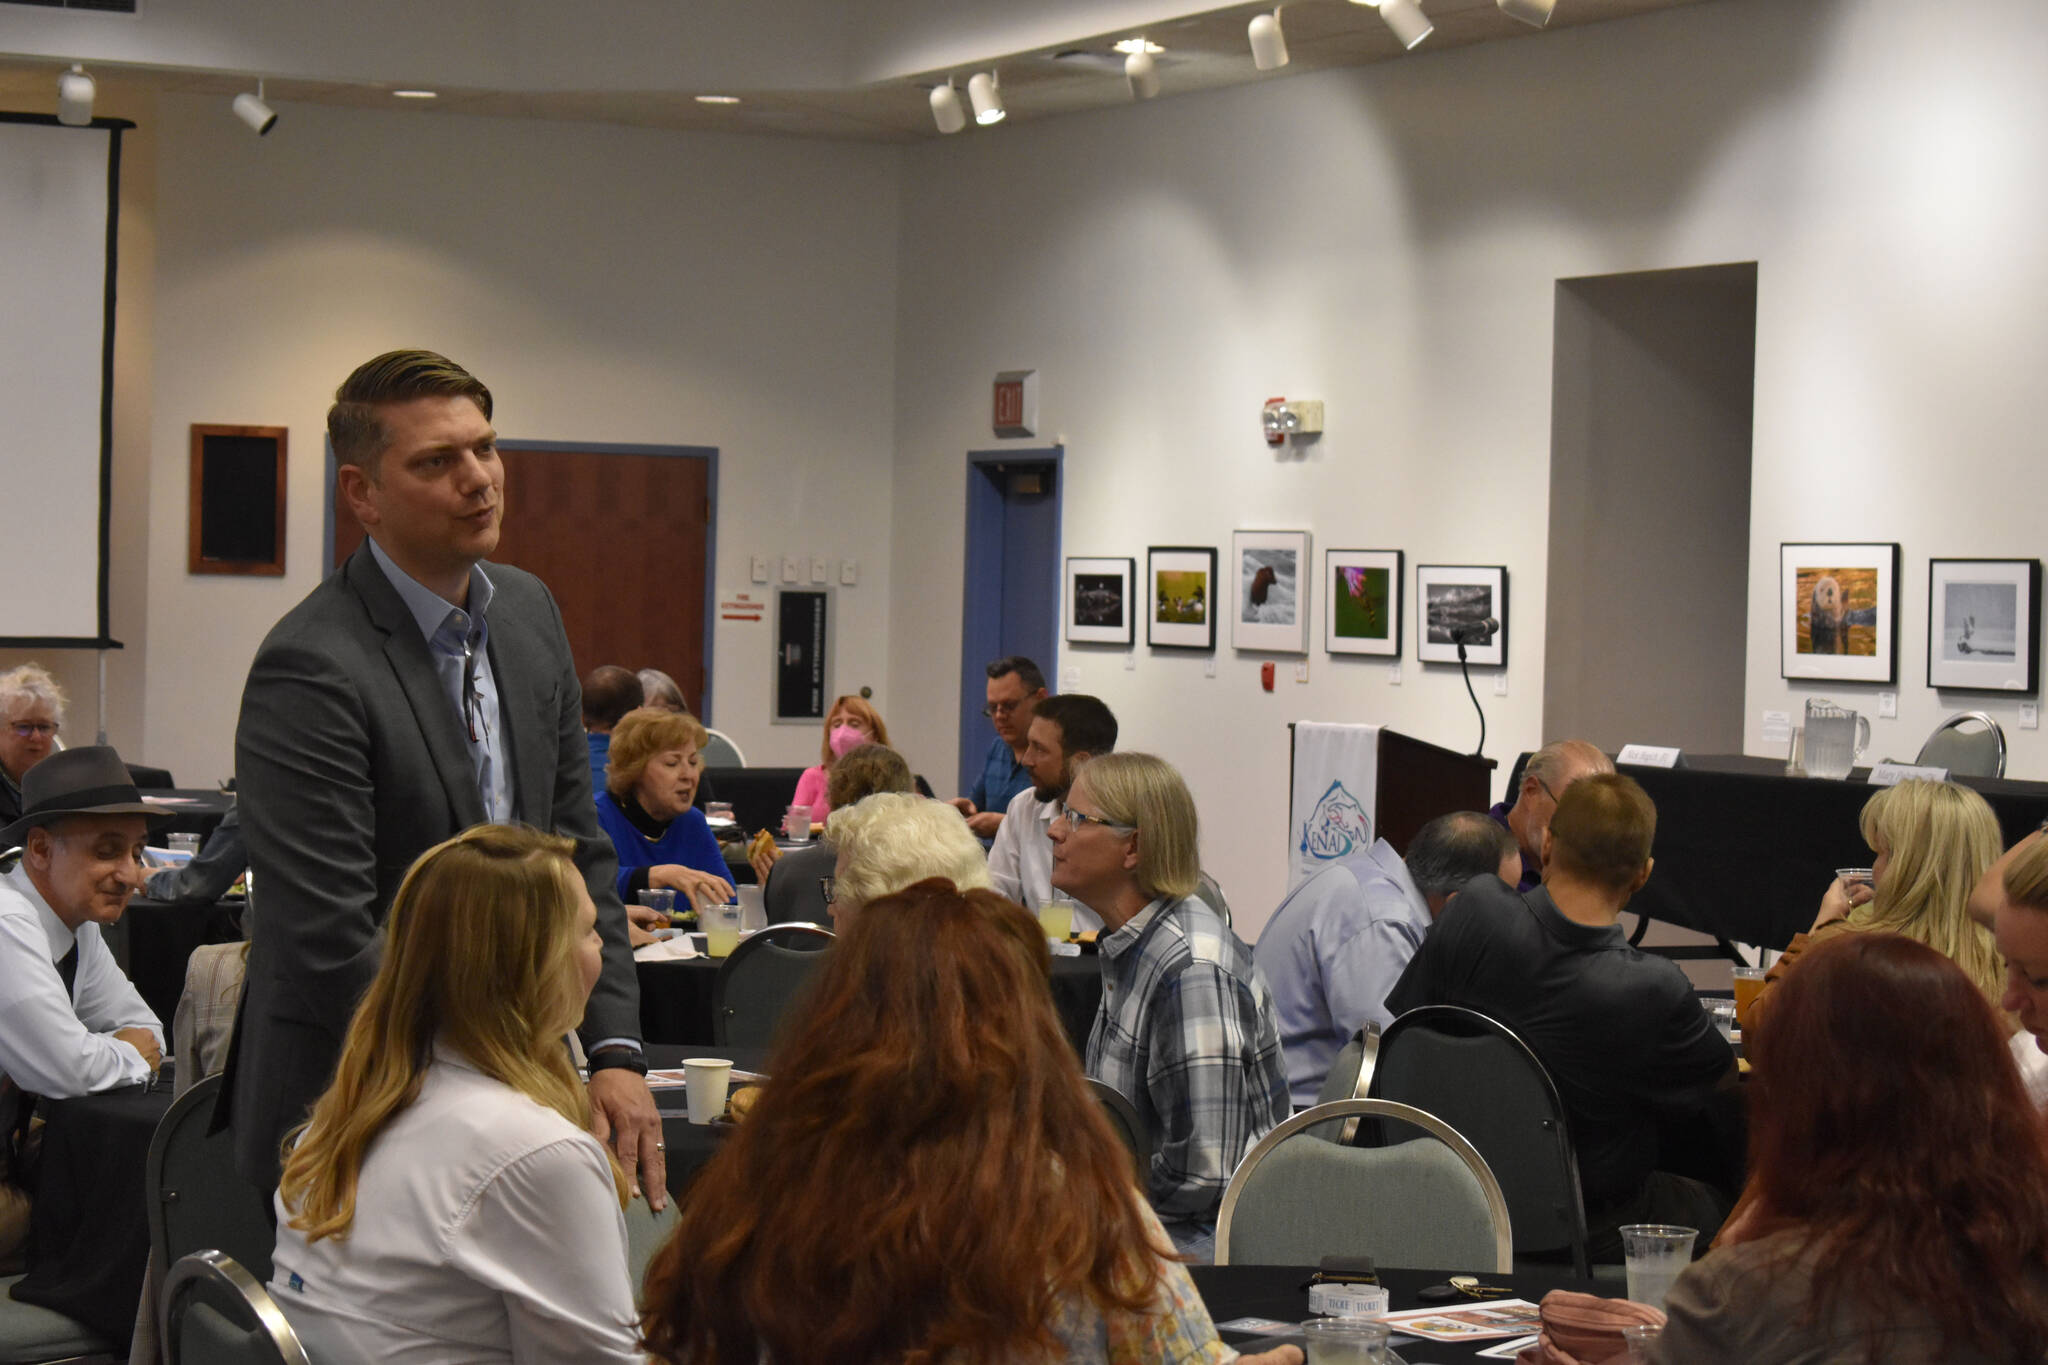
[(1075, 819), (825, 886), (1002, 708), (31, 729)]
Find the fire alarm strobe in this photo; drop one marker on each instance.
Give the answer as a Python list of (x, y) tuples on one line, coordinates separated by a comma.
[(1284, 421)]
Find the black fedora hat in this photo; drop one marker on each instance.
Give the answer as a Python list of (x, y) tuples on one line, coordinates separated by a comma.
[(90, 780)]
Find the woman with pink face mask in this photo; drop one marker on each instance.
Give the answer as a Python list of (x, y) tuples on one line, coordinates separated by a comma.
[(849, 724)]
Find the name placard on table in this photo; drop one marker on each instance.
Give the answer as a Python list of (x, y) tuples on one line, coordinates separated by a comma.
[(1648, 756), (1891, 774)]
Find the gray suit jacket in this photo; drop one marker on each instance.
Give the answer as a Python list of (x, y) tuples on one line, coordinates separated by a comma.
[(350, 762)]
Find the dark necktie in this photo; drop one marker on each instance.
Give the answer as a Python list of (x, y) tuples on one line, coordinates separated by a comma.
[(67, 969)]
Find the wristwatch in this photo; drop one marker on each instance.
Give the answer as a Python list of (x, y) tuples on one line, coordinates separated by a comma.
[(624, 1058)]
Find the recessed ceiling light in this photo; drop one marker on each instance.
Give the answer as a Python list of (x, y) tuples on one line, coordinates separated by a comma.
[(718, 99), (415, 94), (1130, 45)]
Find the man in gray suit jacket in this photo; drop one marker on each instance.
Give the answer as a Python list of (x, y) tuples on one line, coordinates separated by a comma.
[(416, 692)]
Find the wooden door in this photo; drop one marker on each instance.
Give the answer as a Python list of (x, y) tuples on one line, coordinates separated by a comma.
[(621, 539)]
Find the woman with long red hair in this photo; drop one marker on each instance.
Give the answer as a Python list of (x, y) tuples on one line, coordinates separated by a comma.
[(1897, 1208), (927, 1177)]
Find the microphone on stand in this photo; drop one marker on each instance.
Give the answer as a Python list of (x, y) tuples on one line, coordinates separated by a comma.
[(1475, 632)]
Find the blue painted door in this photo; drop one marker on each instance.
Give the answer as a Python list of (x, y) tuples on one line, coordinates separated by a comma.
[(1012, 589)]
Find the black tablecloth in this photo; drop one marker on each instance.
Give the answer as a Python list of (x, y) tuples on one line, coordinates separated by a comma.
[(690, 1145), (675, 998), (155, 939), (89, 1230), (197, 811), (1267, 1291), (1744, 852)]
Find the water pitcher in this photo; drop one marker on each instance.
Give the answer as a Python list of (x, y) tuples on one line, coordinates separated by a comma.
[(1835, 738)]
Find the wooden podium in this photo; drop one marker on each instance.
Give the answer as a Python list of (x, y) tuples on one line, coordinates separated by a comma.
[(1418, 781)]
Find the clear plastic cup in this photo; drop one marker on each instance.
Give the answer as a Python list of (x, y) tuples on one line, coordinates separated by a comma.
[(1641, 1336), (796, 825), (659, 898), (184, 843), (1056, 917), (721, 924), (1346, 1341), (1657, 1254)]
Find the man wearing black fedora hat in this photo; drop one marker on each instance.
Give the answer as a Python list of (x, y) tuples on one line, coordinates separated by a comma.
[(74, 1024)]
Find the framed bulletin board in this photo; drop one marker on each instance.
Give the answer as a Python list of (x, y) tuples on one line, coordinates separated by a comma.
[(237, 501), (803, 657)]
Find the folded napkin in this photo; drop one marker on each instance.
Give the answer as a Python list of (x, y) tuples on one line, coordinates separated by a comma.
[(1584, 1329), (666, 950)]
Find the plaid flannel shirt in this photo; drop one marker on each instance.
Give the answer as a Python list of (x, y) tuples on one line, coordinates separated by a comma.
[(1186, 1031)]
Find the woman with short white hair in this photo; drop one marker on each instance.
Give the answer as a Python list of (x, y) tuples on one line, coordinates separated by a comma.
[(893, 839), (31, 714)]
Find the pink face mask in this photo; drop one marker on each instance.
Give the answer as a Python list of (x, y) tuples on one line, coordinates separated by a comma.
[(845, 739)]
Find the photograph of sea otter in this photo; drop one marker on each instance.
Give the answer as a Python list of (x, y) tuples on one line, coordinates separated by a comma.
[(1840, 612)]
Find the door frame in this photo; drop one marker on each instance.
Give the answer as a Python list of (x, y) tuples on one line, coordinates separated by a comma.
[(982, 557), (709, 454)]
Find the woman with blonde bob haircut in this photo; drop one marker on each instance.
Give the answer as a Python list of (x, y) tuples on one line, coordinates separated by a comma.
[(889, 840), (446, 1201), (1932, 841), (649, 809)]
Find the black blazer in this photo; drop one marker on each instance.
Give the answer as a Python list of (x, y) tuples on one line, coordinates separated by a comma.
[(350, 762)]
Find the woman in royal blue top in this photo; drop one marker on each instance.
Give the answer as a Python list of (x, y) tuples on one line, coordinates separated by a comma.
[(651, 783)]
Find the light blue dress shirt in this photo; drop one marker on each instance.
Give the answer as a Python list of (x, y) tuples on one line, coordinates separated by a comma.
[(459, 641), (1332, 951)]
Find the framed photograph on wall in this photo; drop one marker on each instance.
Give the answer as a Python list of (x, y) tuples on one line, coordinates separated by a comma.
[(1984, 624), (1362, 602), (1099, 601), (1838, 609), (1449, 597), (1270, 596), (1182, 588)]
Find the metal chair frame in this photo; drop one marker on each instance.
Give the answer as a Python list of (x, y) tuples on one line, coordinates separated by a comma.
[(1123, 1116), (1496, 1203), (786, 934), (224, 1272), (1426, 1015), (202, 1093), (1957, 721), (737, 752)]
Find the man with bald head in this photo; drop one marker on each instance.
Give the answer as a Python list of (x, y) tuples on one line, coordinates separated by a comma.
[(1548, 772)]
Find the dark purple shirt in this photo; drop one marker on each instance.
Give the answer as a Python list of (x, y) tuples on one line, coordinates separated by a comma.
[(1532, 870)]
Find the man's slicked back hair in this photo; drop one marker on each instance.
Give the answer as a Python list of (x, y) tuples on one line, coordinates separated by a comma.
[(1453, 849), (353, 429), (1086, 725)]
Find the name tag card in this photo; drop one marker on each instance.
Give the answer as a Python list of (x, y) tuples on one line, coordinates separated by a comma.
[(1648, 756), (1064, 949), (1891, 774)]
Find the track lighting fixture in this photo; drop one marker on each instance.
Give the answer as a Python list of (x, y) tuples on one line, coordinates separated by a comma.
[(74, 97), (1534, 13), (986, 96), (1406, 18), (1143, 75), (946, 110), (1269, 44), (252, 110)]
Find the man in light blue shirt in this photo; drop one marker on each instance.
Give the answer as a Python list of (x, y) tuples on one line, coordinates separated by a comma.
[(1341, 939)]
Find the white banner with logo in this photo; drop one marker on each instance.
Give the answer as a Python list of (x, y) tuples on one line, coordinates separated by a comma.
[(1331, 816)]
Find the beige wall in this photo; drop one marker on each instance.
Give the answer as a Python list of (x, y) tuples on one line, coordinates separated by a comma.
[(1389, 240), (609, 284)]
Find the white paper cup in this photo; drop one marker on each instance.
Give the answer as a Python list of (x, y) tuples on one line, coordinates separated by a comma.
[(706, 1079), (1657, 1254)]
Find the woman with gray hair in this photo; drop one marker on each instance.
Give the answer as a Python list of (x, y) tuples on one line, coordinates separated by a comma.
[(1186, 1030), (31, 714), (891, 840)]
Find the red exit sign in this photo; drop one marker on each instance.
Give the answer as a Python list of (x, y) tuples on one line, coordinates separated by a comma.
[(1015, 410)]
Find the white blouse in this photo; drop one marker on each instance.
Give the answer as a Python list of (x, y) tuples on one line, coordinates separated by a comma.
[(487, 1229)]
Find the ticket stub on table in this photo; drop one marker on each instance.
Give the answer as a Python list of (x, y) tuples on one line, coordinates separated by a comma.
[(1481, 1322)]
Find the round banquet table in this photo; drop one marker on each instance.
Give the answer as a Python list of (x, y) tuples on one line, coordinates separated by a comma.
[(675, 999)]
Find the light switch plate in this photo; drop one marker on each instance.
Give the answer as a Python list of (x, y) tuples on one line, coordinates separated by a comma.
[(818, 572), (1301, 671), (1500, 683), (1887, 706), (1070, 678), (2030, 716), (792, 572), (759, 568), (849, 572)]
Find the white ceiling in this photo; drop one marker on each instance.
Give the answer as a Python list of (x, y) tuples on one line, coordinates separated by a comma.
[(812, 68)]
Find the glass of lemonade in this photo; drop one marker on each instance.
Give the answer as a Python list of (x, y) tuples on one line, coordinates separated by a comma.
[(721, 928), (1056, 917)]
